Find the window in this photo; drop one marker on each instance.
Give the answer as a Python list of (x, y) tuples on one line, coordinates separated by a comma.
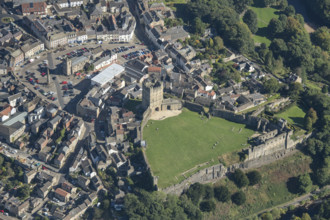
[(31, 5)]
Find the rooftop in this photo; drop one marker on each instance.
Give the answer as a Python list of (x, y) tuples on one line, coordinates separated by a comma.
[(107, 74)]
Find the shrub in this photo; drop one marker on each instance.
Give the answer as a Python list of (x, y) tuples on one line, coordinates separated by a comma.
[(221, 193), (240, 178), (254, 177), (207, 206), (238, 198)]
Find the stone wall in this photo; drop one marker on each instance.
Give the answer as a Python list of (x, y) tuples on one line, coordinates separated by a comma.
[(216, 172), (193, 106), (256, 123)]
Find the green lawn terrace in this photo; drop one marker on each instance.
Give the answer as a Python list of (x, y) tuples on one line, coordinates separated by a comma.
[(178, 147), (264, 16), (294, 115)]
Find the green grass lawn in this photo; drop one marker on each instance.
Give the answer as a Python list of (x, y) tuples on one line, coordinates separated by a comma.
[(270, 192), (264, 16), (184, 141), (293, 115)]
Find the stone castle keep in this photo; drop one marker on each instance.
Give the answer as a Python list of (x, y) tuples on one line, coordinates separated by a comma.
[(152, 97)]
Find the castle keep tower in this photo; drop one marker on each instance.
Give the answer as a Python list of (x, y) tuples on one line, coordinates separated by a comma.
[(152, 95)]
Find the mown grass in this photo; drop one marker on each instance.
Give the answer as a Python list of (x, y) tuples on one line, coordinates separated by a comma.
[(180, 143), (294, 115), (270, 192), (264, 16)]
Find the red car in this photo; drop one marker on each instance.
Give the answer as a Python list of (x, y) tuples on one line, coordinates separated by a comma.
[(52, 98), (44, 168), (43, 74), (64, 82)]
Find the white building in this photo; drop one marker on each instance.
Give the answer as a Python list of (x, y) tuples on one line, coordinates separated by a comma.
[(107, 75), (105, 61)]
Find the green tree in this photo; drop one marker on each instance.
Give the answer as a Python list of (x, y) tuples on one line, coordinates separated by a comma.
[(295, 90), (241, 5), (251, 19), (23, 192), (308, 123), (254, 177), (207, 206), (1, 160), (222, 193), (238, 198), (304, 183), (218, 43), (208, 192), (240, 178), (195, 192), (275, 27), (312, 115), (272, 86), (305, 216), (289, 10), (198, 26), (325, 89), (267, 216)]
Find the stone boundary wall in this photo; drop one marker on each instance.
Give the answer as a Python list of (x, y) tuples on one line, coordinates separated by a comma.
[(193, 106), (253, 121)]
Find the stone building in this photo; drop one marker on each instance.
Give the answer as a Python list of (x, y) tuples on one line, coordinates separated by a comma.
[(74, 65), (152, 95)]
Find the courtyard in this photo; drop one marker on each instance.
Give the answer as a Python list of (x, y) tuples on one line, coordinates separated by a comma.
[(179, 146)]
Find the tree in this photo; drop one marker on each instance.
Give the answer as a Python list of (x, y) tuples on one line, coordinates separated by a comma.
[(305, 216), (289, 10), (105, 204), (241, 5), (222, 193), (240, 178), (208, 192), (1, 160), (207, 206), (267, 216), (238, 198), (295, 90), (308, 123), (325, 89), (23, 192), (254, 177), (310, 119), (195, 192), (304, 183), (218, 43), (275, 27), (198, 26), (271, 86), (250, 18)]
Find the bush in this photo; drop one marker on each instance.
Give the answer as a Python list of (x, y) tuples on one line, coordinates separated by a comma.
[(240, 178), (221, 193), (254, 177), (195, 192), (207, 206), (238, 198)]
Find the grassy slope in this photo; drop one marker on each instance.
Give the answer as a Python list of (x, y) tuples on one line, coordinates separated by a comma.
[(293, 115), (182, 142), (264, 16), (270, 192)]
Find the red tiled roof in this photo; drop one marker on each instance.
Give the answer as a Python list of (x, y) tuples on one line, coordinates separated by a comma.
[(61, 192), (154, 69), (6, 110)]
